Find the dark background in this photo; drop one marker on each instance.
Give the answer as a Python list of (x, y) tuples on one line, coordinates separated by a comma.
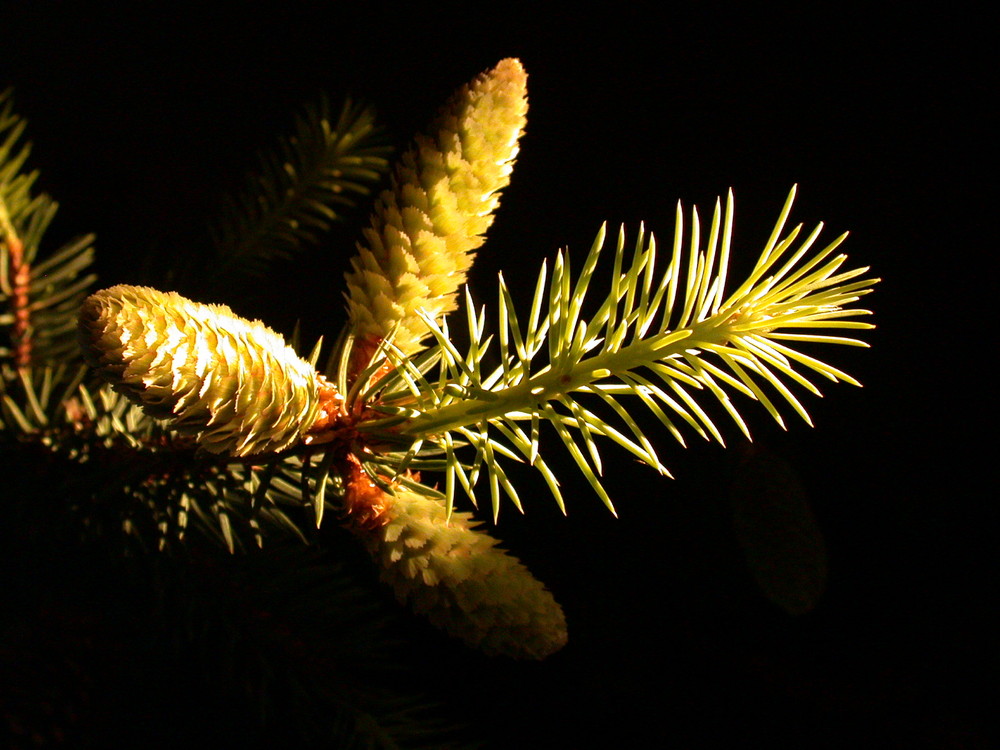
[(141, 119)]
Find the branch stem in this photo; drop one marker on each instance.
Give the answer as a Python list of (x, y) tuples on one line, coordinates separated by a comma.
[(19, 272), (552, 382)]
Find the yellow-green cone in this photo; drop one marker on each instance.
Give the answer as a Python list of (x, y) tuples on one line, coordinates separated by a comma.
[(459, 579), (232, 384), (425, 228)]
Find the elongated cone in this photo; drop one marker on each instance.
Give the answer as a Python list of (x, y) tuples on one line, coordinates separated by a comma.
[(232, 384), (458, 577), (427, 226)]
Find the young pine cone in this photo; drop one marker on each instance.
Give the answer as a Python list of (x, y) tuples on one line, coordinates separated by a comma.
[(428, 225), (232, 384), (455, 575)]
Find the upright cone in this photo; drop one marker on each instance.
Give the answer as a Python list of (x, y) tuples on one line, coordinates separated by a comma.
[(427, 226)]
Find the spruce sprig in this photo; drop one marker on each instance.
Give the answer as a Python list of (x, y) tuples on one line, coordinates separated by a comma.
[(39, 299), (252, 429), (317, 174), (660, 337)]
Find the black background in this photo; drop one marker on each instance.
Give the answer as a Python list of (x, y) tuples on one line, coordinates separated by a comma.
[(141, 118)]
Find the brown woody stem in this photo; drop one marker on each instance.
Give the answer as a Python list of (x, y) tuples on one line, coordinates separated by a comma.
[(19, 273)]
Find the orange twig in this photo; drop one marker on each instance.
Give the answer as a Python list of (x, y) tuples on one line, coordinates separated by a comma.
[(19, 273), (364, 502)]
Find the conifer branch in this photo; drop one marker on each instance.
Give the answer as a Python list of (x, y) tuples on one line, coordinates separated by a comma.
[(152, 484), (302, 188), (656, 336), (212, 420), (41, 296)]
